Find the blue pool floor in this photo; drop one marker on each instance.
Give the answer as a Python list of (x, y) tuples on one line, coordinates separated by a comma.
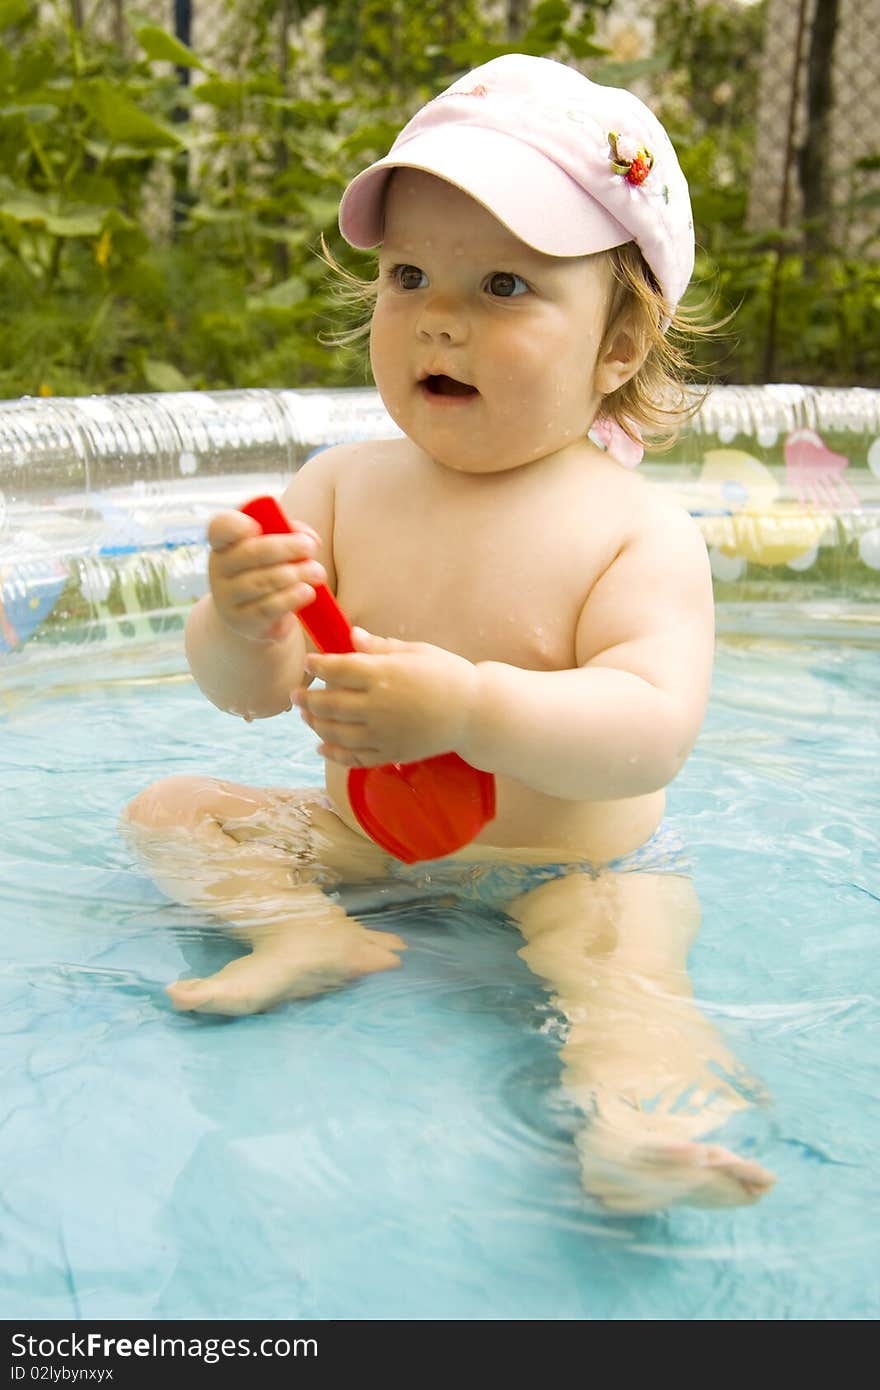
[(402, 1149)]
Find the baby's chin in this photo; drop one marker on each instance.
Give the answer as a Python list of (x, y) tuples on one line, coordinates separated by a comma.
[(477, 466), (498, 459), (463, 451)]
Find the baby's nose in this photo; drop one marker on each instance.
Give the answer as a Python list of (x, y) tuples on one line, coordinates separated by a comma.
[(442, 318)]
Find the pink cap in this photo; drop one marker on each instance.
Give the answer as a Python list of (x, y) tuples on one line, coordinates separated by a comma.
[(568, 166)]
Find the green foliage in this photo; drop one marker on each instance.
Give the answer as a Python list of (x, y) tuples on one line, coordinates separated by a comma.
[(824, 334), (155, 236), (826, 305)]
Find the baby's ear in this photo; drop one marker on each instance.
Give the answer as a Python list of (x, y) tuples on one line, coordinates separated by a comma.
[(620, 356)]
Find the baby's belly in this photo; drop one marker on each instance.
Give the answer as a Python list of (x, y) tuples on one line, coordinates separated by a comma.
[(530, 821)]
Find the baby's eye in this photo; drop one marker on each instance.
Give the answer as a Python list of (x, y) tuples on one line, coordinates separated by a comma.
[(504, 284), (409, 277)]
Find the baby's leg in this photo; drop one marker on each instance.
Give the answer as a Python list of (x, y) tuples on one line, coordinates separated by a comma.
[(640, 1059), (256, 859)]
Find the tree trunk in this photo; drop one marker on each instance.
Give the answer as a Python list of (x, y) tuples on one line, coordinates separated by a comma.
[(517, 18), (812, 156), (282, 154)]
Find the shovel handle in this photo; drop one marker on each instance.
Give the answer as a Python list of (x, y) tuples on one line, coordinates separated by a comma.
[(322, 619)]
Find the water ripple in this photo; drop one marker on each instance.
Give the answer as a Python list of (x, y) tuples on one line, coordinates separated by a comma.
[(416, 1124)]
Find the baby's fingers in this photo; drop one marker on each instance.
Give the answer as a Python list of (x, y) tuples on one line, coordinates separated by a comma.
[(343, 756), (228, 528), (345, 705), (253, 586), (238, 544), (349, 671)]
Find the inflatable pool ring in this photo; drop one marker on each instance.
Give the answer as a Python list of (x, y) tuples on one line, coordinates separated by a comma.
[(753, 522)]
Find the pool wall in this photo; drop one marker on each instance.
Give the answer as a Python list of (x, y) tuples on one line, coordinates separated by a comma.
[(104, 501)]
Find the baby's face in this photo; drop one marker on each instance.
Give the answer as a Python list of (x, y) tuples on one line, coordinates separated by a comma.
[(484, 351)]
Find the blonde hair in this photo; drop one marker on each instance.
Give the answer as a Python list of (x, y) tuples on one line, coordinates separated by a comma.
[(656, 401), (661, 395)]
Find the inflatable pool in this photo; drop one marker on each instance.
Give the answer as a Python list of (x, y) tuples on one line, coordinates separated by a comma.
[(404, 1148), (104, 499)]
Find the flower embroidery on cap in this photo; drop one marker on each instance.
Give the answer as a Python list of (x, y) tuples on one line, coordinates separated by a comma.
[(479, 91), (633, 161)]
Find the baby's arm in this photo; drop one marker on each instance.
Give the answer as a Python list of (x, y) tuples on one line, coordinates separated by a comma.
[(623, 722), (245, 647)]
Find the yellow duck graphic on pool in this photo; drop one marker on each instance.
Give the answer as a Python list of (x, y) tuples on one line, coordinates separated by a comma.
[(744, 514)]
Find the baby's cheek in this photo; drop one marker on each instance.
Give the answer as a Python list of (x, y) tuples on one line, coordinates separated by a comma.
[(382, 344)]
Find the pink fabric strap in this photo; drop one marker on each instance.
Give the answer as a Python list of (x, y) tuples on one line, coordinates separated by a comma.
[(607, 433)]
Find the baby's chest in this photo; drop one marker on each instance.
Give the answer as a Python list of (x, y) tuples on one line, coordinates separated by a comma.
[(508, 589)]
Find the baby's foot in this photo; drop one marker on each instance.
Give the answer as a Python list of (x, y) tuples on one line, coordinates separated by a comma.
[(639, 1158), (631, 1173), (288, 968)]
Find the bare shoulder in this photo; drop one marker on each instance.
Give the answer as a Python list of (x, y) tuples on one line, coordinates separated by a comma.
[(368, 475), (332, 481), (642, 523), (662, 525), (310, 497), (368, 455), (326, 466), (343, 466), (652, 609), (316, 482)]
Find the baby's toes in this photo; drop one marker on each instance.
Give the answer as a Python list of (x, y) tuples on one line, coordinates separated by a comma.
[(193, 988), (386, 939), (372, 958)]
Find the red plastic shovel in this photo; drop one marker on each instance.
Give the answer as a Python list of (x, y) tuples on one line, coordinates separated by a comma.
[(415, 811)]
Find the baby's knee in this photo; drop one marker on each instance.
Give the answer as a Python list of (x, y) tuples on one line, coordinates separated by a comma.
[(172, 801)]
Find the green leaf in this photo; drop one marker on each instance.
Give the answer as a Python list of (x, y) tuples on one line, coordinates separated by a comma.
[(222, 93), (115, 220), (33, 209), (620, 74), (375, 135), (322, 211), (121, 119), (164, 376), (283, 296), (85, 222), (550, 12), (23, 207), (318, 112), (14, 11), (202, 212), (37, 114), (463, 54), (584, 48), (290, 236), (162, 47), (546, 23), (118, 152)]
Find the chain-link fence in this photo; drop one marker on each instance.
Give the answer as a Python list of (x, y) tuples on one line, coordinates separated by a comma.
[(816, 109), (818, 122), (774, 106)]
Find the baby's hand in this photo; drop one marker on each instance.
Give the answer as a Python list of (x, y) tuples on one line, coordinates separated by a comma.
[(260, 582), (388, 702)]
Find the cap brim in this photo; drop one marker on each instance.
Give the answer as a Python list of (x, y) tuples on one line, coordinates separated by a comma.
[(526, 191)]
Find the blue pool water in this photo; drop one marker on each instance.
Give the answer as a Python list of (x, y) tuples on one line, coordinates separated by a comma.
[(401, 1149)]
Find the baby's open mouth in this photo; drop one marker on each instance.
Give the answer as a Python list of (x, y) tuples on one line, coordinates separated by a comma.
[(448, 386)]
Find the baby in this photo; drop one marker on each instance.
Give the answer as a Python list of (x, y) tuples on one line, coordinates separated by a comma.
[(522, 599)]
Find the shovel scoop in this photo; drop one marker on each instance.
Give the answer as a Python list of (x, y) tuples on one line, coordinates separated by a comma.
[(415, 811)]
